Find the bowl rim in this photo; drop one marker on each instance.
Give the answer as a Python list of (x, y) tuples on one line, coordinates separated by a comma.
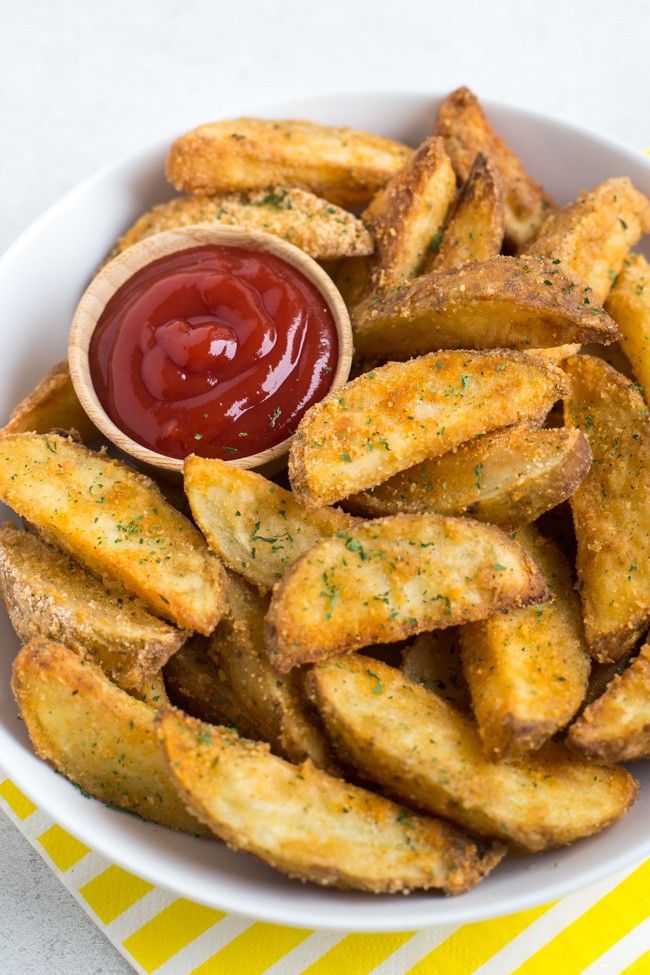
[(116, 272)]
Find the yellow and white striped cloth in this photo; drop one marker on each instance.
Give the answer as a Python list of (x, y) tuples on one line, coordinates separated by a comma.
[(601, 930)]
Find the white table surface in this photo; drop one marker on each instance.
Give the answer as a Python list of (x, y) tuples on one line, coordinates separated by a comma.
[(82, 83)]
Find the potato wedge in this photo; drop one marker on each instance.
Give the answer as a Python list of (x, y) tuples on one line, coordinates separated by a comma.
[(195, 685), (304, 822), (616, 726), (95, 734), (116, 523), (629, 305), (393, 417), (152, 691), (389, 579), (527, 669), (52, 405), (466, 131), (275, 707), (504, 302), (589, 239), (256, 527), (319, 228), (345, 166), (476, 226), (404, 218), (433, 660), (48, 595), (508, 478), (610, 506), (422, 749)]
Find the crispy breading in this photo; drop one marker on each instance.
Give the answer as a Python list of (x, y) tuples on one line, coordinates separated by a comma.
[(394, 417), (116, 523), (310, 825), (315, 226), (256, 527), (95, 734), (508, 478), (275, 707), (403, 219), (433, 660), (523, 303), (589, 239), (391, 578), (610, 506), (152, 691), (466, 130), (616, 726), (476, 226), (527, 669), (423, 750), (629, 305), (46, 594), (345, 166), (52, 405)]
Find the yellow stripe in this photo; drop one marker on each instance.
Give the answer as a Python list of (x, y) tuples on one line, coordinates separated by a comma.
[(642, 965), (112, 891), (473, 944), (62, 848), (590, 935), (358, 954), (17, 801), (253, 951), (165, 934)]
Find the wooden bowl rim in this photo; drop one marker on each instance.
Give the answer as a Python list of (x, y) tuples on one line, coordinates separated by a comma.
[(122, 267)]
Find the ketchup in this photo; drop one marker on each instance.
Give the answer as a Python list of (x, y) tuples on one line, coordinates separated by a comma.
[(216, 351)]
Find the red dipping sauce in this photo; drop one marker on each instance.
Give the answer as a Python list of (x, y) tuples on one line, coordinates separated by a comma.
[(215, 350)]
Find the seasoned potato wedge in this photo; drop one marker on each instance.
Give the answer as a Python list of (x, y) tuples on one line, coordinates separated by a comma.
[(275, 707), (95, 734), (388, 579), (116, 523), (152, 691), (466, 131), (310, 825), (616, 726), (527, 669), (422, 749), (48, 595), (589, 239), (506, 301), (52, 405), (194, 683), (345, 166), (256, 527), (629, 305), (319, 228), (508, 478), (610, 506), (403, 219), (433, 660), (393, 417), (476, 226)]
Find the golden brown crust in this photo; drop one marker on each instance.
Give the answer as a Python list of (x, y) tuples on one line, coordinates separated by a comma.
[(395, 416), (345, 166), (52, 405), (466, 131), (309, 825), (392, 578), (523, 303), (629, 305)]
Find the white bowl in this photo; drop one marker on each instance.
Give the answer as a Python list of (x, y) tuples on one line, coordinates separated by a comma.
[(41, 279)]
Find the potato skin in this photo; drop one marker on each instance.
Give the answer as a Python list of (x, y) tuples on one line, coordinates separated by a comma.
[(503, 302), (395, 416), (392, 578), (309, 825), (629, 305), (423, 750), (52, 405), (610, 509), (345, 166), (95, 734)]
